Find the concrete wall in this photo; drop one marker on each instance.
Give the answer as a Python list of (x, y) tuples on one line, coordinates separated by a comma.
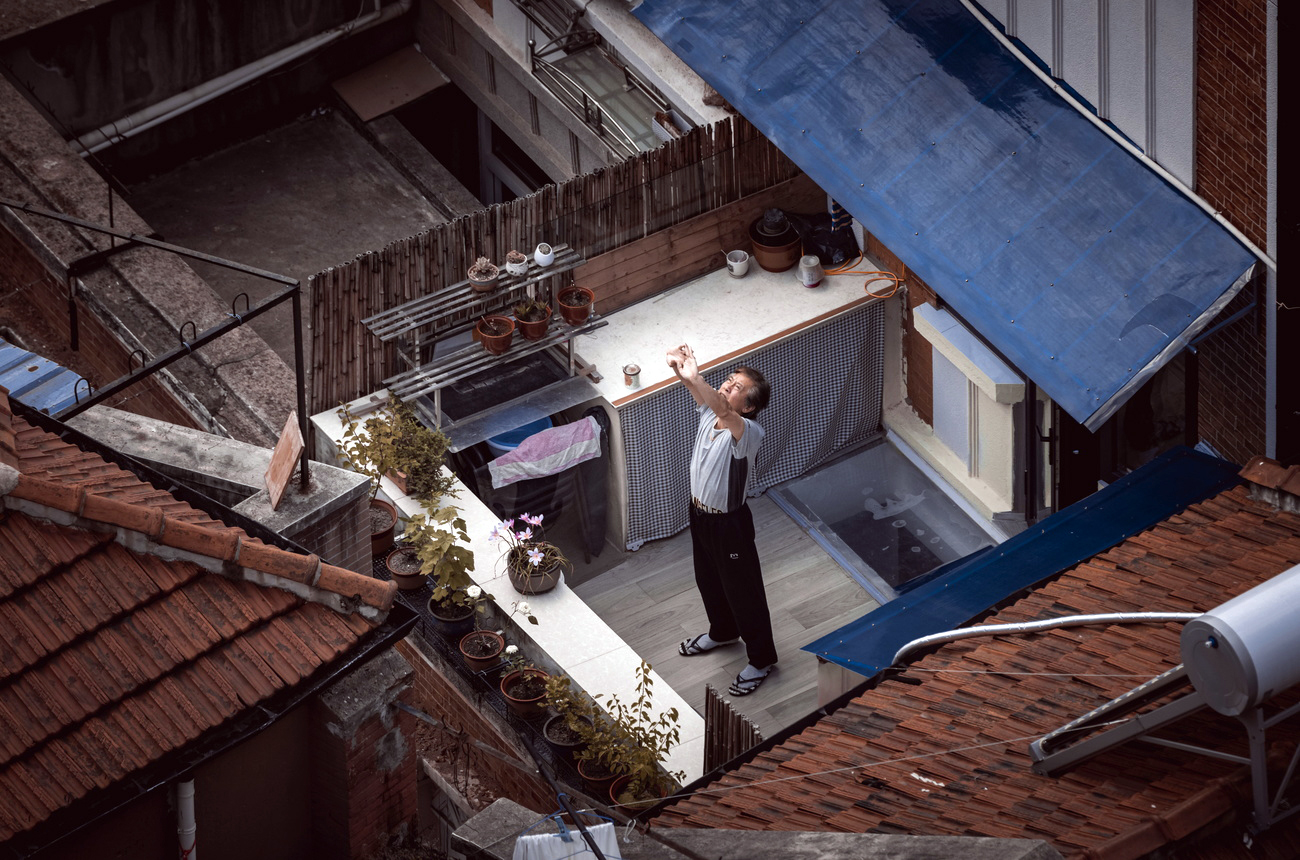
[(113, 59), (142, 297), (331, 518), (466, 43)]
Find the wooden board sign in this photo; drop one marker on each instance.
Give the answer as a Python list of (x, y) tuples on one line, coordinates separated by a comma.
[(283, 459)]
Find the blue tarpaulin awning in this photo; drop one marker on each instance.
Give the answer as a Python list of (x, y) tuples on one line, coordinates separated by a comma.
[(1085, 268), (966, 588)]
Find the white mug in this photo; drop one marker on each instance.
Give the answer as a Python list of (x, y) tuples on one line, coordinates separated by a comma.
[(737, 263)]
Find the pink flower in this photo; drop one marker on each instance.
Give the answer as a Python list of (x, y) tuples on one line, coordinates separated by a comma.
[(525, 535), (535, 557)]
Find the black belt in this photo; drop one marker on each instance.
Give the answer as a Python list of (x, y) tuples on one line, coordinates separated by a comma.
[(703, 508)]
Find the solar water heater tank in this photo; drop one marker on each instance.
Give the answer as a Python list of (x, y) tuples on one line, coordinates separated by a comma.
[(1245, 651)]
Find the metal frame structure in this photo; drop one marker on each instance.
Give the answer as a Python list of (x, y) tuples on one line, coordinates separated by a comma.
[(1054, 753), (292, 292), (415, 326)]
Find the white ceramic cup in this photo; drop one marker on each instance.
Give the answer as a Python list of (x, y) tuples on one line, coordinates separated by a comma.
[(737, 263)]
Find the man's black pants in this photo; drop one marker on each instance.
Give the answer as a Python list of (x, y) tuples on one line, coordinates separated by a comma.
[(730, 580)]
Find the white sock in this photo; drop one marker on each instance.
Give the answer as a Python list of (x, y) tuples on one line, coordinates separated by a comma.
[(750, 672), (706, 642)]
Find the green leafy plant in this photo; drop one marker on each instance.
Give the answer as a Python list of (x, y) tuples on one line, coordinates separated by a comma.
[(391, 440), (434, 537), (370, 446), (531, 310), (628, 738)]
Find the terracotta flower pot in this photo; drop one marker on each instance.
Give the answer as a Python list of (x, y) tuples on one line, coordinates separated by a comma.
[(619, 785), (563, 740), (383, 523), (578, 306), (403, 565), (534, 329), (454, 618), (597, 777), (525, 703), (496, 333), (481, 649)]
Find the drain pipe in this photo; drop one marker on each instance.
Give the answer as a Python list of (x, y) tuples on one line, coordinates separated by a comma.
[(169, 108), (1047, 624), (185, 825)]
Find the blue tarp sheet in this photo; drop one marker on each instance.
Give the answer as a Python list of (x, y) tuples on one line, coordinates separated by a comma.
[(35, 381), (1085, 268), (968, 587)]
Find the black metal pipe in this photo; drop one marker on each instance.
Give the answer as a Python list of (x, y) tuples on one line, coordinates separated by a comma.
[(186, 348), (300, 373), (152, 243)]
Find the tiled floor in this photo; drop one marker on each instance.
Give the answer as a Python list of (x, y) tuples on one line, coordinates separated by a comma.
[(649, 599)]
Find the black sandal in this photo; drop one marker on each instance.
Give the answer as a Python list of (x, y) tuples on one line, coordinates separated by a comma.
[(745, 686)]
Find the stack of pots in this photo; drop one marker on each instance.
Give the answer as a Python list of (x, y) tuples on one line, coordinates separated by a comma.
[(776, 244)]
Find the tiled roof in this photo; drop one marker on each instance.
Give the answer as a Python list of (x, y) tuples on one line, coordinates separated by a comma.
[(133, 623), (943, 748)]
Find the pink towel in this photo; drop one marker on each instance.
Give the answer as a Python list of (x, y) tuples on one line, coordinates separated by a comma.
[(548, 452)]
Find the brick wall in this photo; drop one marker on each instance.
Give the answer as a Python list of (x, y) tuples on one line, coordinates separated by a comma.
[(100, 354), (438, 695), (1232, 174), (364, 768), (917, 356), (341, 539)]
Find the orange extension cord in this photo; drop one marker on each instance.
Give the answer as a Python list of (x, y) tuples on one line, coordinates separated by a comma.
[(847, 269)]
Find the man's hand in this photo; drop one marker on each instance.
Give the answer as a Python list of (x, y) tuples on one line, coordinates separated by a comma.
[(682, 360)]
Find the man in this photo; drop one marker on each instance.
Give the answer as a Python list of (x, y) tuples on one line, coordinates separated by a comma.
[(727, 570)]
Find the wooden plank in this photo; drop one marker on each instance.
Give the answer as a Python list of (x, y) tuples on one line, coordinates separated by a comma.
[(288, 448)]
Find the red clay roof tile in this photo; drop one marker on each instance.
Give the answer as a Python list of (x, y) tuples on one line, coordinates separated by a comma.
[(201, 538), (1133, 799), (273, 560), (114, 658), (53, 494)]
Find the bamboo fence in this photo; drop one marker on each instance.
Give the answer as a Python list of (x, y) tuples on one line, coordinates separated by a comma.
[(704, 170)]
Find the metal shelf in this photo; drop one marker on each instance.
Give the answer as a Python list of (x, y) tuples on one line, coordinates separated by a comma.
[(418, 324)]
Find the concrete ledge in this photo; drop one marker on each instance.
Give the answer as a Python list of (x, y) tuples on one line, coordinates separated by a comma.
[(493, 832), (569, 636), (975, 360)]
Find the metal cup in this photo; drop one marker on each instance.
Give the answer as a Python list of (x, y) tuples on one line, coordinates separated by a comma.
[(632, 375)]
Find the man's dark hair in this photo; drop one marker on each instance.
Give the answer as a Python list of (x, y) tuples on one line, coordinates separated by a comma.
[(759, 393)]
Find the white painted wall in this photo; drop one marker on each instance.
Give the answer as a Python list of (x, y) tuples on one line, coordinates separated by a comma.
[(1133, 60)]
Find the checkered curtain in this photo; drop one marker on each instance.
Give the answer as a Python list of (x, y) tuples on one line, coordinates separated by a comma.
[(827, 388)]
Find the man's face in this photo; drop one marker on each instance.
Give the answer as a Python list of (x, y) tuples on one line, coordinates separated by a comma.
[(736, 392)]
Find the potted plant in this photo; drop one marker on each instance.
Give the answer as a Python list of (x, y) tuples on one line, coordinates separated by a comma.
[(544, 255), (523, 685), (370, 447), (571, 723), (481, 649), (636, 745), (575, 304), (533, 565), (516, 262), (496, 332), (532, 318), (483, 274), (403, 563)]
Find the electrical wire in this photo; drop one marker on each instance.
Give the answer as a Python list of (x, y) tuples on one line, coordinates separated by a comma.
[(873, 275)]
